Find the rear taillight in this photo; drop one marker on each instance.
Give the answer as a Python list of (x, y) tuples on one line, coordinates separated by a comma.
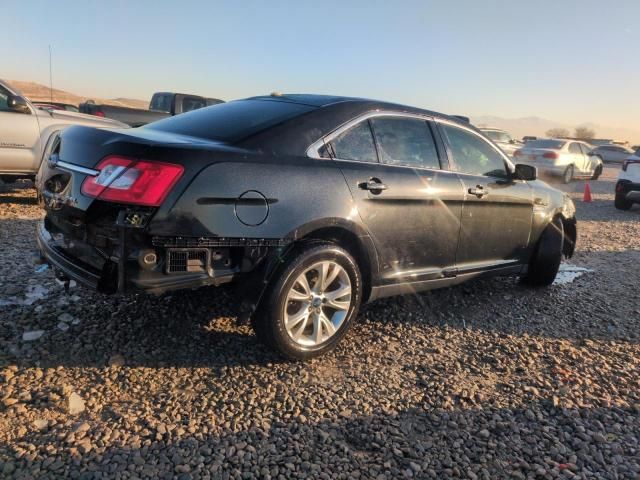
[(139, 182), (552, 155), (99, 113), (626, 164), (517, 153)]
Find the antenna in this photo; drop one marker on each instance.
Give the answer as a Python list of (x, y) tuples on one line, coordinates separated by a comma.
[(50, 77)]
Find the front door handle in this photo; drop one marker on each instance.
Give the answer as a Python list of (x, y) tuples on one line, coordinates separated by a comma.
[(478, 191), (374, 185)]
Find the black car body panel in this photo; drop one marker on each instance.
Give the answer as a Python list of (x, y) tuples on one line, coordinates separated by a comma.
[(242, 203)]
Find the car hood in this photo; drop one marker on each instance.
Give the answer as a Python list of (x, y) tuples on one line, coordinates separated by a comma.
[(75, 118)]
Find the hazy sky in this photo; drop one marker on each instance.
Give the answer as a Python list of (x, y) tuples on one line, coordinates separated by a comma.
[(571, 61)]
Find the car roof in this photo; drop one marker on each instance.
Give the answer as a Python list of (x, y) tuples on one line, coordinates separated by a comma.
[(320, 101)]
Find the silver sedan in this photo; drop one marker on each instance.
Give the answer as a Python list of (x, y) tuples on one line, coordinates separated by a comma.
[(567, 159)]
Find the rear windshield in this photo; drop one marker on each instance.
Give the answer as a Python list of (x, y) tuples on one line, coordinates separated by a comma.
[(161, 102), (232, 121), (553, 144)]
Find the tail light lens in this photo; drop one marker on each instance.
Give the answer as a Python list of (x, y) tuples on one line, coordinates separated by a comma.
[(138, 182), (517, 153), (552, 155), (99, 113), (626, 164)]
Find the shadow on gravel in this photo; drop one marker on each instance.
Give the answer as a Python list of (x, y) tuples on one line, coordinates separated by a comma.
[(541, 441), (199, 328), (16, 186), (17, 200)]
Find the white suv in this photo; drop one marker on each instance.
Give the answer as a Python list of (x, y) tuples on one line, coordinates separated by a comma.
[(628, 184)]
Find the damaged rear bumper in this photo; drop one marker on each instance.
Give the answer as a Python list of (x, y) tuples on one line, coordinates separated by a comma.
[(63, 264), (181, 263)]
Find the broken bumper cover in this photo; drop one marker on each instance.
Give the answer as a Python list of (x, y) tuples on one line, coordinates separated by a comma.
[(107, 280), (63, 263)]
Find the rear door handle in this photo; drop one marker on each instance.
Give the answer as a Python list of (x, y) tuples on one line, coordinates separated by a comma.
[(373, 185), (478, 191)]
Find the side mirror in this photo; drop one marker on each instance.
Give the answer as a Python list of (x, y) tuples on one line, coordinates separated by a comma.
[(18, 104), (526, 172)]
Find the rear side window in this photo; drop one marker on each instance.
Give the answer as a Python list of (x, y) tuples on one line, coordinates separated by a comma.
[(355, 144), (471, 154), (232, 121), (574, 148), (193, 103), (405, 141)]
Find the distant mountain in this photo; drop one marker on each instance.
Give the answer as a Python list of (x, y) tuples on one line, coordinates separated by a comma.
[(519, 127), (37, 92)]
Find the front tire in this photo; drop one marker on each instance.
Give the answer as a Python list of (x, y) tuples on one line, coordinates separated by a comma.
[(311, 302), (547, 255), (621, 203), (567, 176)]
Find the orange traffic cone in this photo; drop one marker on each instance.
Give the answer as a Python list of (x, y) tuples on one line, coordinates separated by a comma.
[(587, 193)]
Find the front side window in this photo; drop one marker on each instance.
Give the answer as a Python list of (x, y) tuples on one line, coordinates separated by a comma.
[(355, 144), (585, 148), (471, 154), (405, 141), (574, 148), (4, 96)]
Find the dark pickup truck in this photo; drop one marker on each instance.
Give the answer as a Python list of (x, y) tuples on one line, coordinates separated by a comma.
[(163, 105)]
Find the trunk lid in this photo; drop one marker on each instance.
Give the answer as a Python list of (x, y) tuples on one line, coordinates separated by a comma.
[(535, 155), (76, 153)]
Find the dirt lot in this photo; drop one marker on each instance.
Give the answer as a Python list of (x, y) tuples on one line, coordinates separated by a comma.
[(485, 380)]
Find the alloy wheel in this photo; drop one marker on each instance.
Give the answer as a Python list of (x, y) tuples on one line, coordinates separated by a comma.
[(317, 303)]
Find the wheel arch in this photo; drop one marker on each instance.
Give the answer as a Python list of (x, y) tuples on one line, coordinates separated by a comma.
[(357, 245)]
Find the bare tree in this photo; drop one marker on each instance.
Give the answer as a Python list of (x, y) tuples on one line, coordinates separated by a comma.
[(557, 132), (584, 133)]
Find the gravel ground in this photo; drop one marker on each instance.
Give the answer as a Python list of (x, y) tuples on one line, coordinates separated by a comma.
[(485, 380)]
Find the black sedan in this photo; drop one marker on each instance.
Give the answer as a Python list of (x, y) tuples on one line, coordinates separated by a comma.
[(312, 204)]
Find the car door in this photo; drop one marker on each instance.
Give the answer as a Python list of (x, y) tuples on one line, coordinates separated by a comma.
[(590, 161), (498, 209), (408, 202), (620, 154), (19, 138), (578, 158)]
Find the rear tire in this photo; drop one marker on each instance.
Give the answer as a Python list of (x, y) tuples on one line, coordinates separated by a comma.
[(621, 203), (567, 176), (300, 315), (547, 255)]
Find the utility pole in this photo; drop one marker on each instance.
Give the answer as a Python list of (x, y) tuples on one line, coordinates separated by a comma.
[(50, 77)]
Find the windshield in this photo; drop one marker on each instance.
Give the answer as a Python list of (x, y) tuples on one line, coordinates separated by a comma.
[(497, 136), (232, 121), (552, 144)]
